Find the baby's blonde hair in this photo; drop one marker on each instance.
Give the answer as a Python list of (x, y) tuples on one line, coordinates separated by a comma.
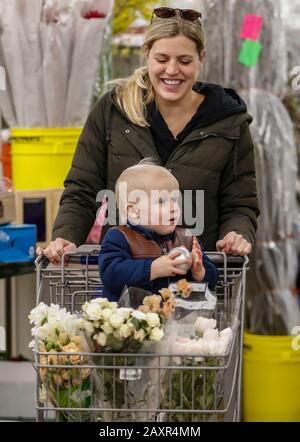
[(135, 178)]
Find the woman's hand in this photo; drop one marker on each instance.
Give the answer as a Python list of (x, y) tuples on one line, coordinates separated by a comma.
[(234, 244), (198, 269), (56, 249), (166, 265)]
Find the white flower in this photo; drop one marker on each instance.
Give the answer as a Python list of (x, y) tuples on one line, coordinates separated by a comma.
[(156, 334), (125, 331), (211, 333), (38, 314), (101, 339), (107, 328), (226, 336), (139, 315), (153, 319), (93, 311), (227, 332), (216, 348), (203, 324), (112, 305), (88, 326), (125, 312), (103, 302), (106, 314), (140, 334), (116, 319)]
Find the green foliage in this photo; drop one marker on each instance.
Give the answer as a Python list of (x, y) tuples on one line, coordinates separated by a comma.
[(191, 390)]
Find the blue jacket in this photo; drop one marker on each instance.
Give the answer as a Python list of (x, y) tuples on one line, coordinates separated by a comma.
[(118, 268)]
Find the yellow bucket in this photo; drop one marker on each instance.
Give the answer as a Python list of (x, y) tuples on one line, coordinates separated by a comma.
[(271, 379), (42, 157)]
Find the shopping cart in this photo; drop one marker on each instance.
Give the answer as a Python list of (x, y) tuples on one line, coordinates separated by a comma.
[(139, 386)]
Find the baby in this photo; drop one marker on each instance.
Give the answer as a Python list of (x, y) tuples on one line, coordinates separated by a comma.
[(139, 254)]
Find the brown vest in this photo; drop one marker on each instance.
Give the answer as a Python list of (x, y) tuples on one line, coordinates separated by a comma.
[(141, 248)]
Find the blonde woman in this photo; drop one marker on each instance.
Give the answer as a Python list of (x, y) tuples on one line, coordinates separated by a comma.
[(199, 131)]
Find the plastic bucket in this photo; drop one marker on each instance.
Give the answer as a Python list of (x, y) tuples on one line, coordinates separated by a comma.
[(271, 379), (41, 158)]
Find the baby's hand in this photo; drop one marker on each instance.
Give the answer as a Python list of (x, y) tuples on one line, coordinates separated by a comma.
[(198, 269), (166, 265)]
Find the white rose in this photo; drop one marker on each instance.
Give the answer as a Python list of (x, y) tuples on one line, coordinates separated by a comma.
[(106, 314), (203, 324), (112, 305), (153, 319), (139, 315), (211, 333), (116, 320), (227, 332), (201, 347), (125, 331), (156, 334), (179, 347), (101, 339), (107, 328), (88, 327), (125, 312), (93, 312), (103, 302), (139, 335)]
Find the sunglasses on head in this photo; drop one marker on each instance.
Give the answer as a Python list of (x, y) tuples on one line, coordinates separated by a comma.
[(186, 14)]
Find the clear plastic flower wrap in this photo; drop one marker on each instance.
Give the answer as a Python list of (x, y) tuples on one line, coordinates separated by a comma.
[(223, 20)]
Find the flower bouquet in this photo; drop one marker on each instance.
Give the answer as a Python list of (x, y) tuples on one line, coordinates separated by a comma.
[(194, 383), (65, 381), (118, 334)]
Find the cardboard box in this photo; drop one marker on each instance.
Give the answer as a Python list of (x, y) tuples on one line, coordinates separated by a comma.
[(17, 242), (38, 207), (7, 207)]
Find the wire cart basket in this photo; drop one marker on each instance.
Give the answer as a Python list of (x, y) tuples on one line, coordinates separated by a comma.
[(138, 386)]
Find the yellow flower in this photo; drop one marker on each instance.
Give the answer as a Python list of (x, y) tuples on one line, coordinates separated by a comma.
[(168, 308), (73, 348), (84, 373), (184, 288), (153, 302), (165, 293)]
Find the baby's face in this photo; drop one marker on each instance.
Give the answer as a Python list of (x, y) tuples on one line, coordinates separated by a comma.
[(159, 210)]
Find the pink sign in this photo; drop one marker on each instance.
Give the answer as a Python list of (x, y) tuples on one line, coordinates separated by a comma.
[(251, 27)]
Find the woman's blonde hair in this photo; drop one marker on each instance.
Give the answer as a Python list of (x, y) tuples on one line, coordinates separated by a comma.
[(135, 92)]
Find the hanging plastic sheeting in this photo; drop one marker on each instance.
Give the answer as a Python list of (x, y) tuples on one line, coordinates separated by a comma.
[(223, 20), (91, 33), (57, 32), (22, 55), (273, 306), (12, 55), (34, 104), (291, 15), (6, 104)]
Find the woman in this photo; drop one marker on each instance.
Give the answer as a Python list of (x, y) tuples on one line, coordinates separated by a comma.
[(198, 131)]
